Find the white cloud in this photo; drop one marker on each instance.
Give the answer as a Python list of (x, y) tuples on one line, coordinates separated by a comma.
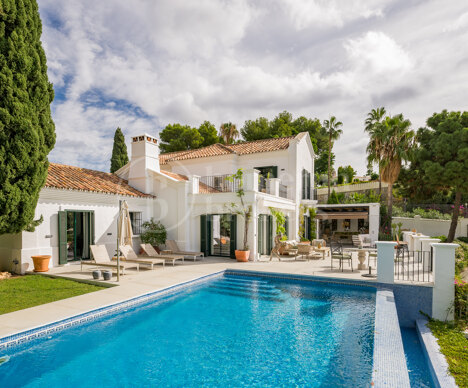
[(376, 53), (335, 13), (460, 23), (143, 64)]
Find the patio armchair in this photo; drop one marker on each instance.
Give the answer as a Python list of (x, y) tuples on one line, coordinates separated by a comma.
[(172, 245), (101, 259), (338, 254), (151, 252)]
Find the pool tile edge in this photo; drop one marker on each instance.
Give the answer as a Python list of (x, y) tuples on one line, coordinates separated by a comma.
[(389, 367)]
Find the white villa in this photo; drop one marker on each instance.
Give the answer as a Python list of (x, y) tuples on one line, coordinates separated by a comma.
[(187, 191)]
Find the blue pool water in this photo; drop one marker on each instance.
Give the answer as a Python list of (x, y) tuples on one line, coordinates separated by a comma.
[(229, 331), (419, 374)]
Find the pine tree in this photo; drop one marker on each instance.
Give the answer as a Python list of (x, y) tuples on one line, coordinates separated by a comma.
[(119, 151), (27, 132)]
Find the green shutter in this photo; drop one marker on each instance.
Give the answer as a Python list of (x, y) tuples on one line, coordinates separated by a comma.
[(307, 227), (308, 185), (91, 228), (233, 241), (274, 171), (203, 235), (260, 234), (286, 226), (62, 234), (303, 184), (270, 234)]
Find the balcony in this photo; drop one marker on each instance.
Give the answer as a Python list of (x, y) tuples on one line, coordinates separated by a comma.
[(225, 184), (218, 184)]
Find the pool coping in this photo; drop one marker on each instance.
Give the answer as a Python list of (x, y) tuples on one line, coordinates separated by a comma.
[(389, 366), (437, 362)]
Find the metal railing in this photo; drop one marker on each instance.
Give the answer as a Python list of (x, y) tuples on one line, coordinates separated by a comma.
[(220, 183), (414, 266), (283, 191)]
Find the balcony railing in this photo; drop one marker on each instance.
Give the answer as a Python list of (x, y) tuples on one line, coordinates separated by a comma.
[(219, 184), (283, 191)]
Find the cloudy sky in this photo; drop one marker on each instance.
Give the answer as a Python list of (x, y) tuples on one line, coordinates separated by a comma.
[(142, 64)]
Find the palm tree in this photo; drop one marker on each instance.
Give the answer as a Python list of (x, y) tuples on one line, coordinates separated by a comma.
[(397, 144), (374, 148), (228, 132), (333, 128)]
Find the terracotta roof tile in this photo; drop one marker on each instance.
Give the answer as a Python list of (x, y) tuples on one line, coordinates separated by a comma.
[(250, 147), (61, 176), (203, 188), (174, 175)]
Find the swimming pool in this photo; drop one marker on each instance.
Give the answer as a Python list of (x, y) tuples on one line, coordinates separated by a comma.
[(230, 330)]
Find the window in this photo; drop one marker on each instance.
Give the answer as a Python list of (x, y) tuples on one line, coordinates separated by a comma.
[(306, 184), (135, 219), (268, 171)]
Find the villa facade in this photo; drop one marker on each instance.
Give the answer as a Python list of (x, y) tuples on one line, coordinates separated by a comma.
[(187, 191)]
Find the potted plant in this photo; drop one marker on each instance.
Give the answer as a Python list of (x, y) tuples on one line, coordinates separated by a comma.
[(41, 263), (154, 233), (243, 210)]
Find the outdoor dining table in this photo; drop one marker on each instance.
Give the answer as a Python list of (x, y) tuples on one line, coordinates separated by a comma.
[(362, 253)]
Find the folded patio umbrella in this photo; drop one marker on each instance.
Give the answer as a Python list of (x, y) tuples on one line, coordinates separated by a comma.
[(124, 232)]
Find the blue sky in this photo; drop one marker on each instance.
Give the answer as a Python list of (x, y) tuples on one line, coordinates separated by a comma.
[(143, 64)]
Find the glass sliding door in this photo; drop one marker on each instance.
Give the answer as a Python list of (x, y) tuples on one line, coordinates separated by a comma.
[(265, 234), (79, 234), (218, 234), (221, 235)]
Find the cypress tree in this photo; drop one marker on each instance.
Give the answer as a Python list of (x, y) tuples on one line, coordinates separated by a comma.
[(119, 151), (27, 132)]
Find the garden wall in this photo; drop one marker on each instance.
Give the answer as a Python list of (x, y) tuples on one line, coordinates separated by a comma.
[(432, 227)]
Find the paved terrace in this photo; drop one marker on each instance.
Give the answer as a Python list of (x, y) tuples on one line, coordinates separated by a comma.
[(145, 281)]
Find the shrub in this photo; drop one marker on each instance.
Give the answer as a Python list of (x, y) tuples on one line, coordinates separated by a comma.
[(423, 213), (461, 256), (333, 199), (154, 233)]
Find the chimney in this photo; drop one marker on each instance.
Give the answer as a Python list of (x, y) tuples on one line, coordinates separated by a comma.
[(145, 157)]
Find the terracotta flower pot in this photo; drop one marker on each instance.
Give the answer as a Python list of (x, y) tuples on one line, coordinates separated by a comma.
[(242, 256), (41, 263)]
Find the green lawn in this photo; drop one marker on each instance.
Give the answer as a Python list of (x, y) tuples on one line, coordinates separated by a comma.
[(454, 346), (32, 290)]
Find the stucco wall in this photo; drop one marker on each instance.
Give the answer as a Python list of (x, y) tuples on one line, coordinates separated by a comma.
[(433, 227), (44, 240)]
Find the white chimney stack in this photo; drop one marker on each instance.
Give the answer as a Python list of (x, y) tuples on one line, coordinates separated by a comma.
[(145, 158)]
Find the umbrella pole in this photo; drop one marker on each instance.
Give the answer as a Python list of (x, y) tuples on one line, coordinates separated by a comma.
[(118, 241)]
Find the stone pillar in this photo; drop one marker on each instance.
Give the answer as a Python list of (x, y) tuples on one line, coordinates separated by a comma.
[(251, 179), (385, 261), (194, 184), (444, 276), (426, 251), (273, 186)]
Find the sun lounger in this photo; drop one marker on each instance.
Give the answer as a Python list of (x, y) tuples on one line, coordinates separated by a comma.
[(151, 252), (172, 245), (131, 257), (101, 259)]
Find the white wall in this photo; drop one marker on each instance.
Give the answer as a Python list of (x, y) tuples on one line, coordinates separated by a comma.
[(432, 227), (44, 240)]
